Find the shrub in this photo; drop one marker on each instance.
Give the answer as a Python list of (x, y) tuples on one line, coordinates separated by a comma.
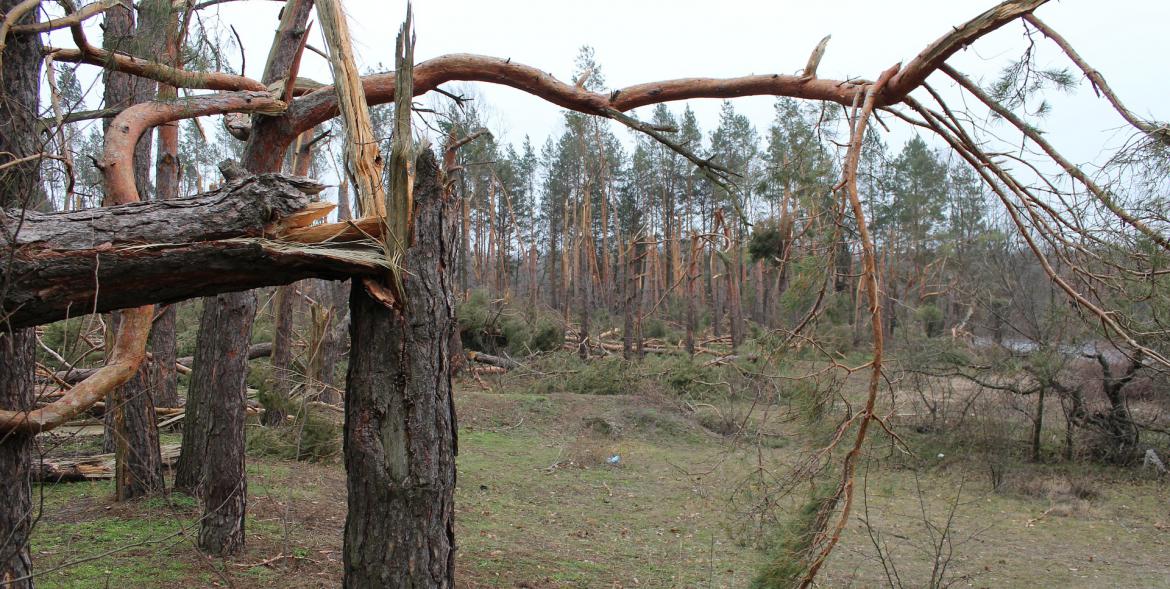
[(689, 378), (490, 326), (311, 436), (610, 376)]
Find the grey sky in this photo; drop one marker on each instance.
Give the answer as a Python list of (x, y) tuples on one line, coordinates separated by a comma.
[(640, 41)]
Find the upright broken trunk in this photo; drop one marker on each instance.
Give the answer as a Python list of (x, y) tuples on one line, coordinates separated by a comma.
[(19, 188), (400, 430), (225, 327)]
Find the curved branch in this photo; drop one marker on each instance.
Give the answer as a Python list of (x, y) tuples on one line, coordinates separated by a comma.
[(128, 353), (85, 12), (129, 349), (118, 163), (321, 105), (166, 74), (869, 275)]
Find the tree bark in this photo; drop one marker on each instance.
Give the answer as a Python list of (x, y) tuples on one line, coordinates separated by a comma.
[(400, 429), (226, 326), (133, 426), (130, 403), (64, 264), (220, 389), (16, 510), (164, 383), (19, 188)]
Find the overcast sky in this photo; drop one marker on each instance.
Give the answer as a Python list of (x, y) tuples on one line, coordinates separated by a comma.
[(639, 41)]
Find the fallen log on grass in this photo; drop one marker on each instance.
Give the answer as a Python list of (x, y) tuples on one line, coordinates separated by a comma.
[(89, 468), (497, 361)]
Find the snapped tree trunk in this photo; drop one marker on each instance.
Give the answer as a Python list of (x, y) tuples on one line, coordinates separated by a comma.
[(67, 264), (400, 429)]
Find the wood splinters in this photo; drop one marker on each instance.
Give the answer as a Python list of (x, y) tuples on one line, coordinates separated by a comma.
[(814, 60)]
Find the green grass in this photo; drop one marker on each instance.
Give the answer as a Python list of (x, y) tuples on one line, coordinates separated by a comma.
[(536, 505)]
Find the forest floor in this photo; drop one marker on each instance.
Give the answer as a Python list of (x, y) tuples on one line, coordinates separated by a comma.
[(539, 506)]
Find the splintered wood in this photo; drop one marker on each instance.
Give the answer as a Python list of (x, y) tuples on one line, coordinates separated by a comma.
[(361, 148)]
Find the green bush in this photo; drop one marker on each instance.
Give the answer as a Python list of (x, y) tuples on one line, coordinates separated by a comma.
[(794, 540), (931, 318), (492, 327), (311, 436), (610, 376), (688, 378)]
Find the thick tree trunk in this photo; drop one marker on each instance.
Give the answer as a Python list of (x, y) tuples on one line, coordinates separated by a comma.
[(400, 430), (16, 511), (19, 188), (220, 388), (67, 264), (226, 327)]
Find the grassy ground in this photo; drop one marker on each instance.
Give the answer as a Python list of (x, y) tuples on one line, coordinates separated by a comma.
[(538, 506)]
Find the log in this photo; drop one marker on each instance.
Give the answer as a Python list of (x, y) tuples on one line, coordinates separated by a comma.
[(67, 264), (497, 361), (88, 468)]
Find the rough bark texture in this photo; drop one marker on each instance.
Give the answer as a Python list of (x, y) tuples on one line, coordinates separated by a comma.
[(400, 430), (16, 393), (163, 376), (19, 187), (237, 209), (96, 260), (220, 390), (133, 429), (164, 381)]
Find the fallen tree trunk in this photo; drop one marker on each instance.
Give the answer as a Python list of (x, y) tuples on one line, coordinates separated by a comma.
[(246, 235), (496, 361), (88, 468)]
